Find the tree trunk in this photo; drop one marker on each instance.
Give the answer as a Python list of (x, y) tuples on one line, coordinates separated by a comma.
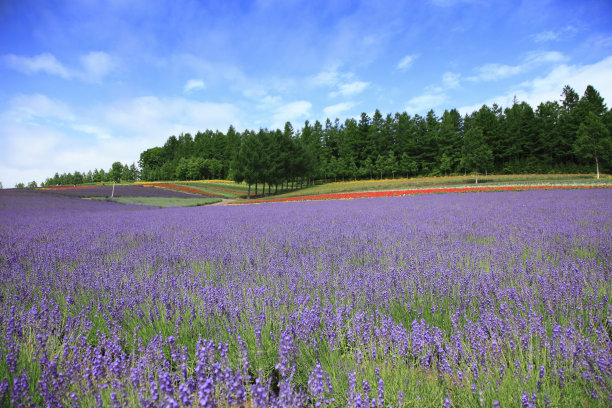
[(276, 188), (255, 190), (597, 165), (476, 178), (249, 193)]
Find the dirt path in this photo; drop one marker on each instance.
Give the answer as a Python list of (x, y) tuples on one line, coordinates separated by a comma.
[(225, 201)]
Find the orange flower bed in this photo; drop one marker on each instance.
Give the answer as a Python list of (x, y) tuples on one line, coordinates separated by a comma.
[(392, 193)]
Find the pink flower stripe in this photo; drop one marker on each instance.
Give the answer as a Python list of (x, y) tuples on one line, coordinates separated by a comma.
[(391, 193), (180, 188)]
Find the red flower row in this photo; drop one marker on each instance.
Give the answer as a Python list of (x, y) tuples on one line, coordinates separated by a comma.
[(180, 188), (370, 194)]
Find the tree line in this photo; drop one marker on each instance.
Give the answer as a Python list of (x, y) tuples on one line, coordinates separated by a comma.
[(566, 136), (118, 172)]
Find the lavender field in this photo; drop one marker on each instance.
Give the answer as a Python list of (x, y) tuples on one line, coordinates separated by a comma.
[(119, 191), (475, 299)]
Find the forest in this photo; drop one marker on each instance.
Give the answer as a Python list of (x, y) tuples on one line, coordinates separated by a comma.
[(571, 135)]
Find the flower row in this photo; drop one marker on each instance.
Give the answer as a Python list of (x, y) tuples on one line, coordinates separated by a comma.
[(171, 186), (393, 193)]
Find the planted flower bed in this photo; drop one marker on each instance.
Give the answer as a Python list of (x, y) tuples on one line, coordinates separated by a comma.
[(178, 187), (392, 193)]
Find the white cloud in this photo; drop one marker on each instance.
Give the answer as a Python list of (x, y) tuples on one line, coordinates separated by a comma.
[(326, 78), (546, 36), (269, 102), (451, 80), (95, 66), (494, 72), (31, 108), (41, 136), (214, 72), (543, 57), (158, 118), (351, 88), (406, 62), (549, 87), (194, 85), (345, 83), (99, 132), (550, 35), (423, 103), (45, 62), (291, 112), (334, 110)]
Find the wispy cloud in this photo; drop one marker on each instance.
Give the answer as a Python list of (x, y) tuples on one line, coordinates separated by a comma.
[(94, 65), (351, 88), (426, 101), (333, 111), (161, 117), (45, 62), (494, 71), (343, 83), (326, 78), (542, 57), (42, 135), (193, 85), (555, 35), (548, 87), (451, 80), (406, 62), (36, 107), (99, 132), (291, 112)]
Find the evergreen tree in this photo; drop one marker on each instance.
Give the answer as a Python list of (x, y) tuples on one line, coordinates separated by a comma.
[(476, 155)]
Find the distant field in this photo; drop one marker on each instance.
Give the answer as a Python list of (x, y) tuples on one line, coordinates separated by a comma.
[(449, 181), (123, 190), (219, 189)]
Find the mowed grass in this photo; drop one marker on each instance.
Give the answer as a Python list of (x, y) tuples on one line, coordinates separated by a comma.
[(227, 190), (163, 202)]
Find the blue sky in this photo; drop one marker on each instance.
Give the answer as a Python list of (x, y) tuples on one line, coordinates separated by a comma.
[(84, 83)]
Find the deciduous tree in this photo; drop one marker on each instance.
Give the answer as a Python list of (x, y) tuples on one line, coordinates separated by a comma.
[(593, 140)]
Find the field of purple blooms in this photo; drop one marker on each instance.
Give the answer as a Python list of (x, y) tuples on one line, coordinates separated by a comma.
[(120, 191), (498, 299)]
